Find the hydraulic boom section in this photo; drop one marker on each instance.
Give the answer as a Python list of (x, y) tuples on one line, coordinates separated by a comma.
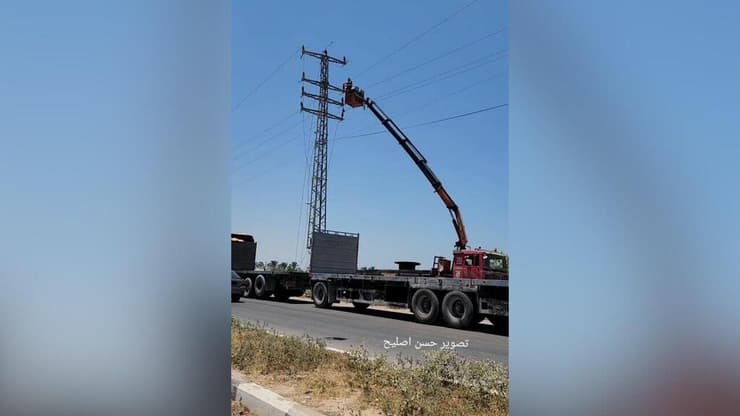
[(355, 97)]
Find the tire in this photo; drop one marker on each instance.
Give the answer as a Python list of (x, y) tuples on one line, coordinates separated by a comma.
[(458, 310), (425, 306), (320, 295), (235, 298), (360, 306), (248, 288), (260, 287)]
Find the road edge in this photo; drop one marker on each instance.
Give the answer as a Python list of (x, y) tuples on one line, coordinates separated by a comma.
[(265, 402)]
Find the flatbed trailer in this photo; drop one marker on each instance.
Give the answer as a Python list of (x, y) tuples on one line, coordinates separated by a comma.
[(460, 303)]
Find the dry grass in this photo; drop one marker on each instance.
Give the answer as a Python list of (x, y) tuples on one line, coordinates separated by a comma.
[(256, 350), (442, 384)]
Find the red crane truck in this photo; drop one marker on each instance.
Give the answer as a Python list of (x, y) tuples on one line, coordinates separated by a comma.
[(470, 287)]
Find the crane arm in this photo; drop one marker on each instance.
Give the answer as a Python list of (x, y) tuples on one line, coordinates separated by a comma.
[(355, 97)]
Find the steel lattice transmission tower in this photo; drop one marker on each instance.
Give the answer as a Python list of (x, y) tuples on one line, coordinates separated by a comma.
[(317, 203)]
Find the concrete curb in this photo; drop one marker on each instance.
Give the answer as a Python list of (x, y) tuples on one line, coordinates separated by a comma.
[(263, 402)]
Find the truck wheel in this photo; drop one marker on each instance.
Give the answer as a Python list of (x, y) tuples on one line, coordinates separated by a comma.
[(457, 309), (248, 288), (425, 306), (260, 287), (360, 306), (235, 298), (320, 295)]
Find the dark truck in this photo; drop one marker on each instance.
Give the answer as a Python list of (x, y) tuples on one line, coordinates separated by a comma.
[(263, 283)]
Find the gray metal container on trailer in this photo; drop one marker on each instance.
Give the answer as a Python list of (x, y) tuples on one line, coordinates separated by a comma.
[(334, 252), (243, 252)]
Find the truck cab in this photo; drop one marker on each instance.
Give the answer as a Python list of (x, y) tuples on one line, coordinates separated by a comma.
[(474, 264)]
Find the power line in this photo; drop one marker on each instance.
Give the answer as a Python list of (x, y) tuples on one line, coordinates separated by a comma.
[(393, 93), (443, 97), (466, 67), (331, 151), (275, 71), (272, 149), (253, 177), (279, 122), (282, 120), (459, 69), (437, 58), (289, 129), (417, 37), (304, 202), (303, 130), (263, 155), (449, 74), (427, 123), (300, 206), (450, 94), (304, 186), (459, 115), (403, 91)]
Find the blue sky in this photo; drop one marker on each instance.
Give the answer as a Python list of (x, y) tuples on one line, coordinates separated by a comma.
[(373, 188)]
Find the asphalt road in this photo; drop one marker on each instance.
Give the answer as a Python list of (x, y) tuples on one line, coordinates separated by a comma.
[(343, 327)]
